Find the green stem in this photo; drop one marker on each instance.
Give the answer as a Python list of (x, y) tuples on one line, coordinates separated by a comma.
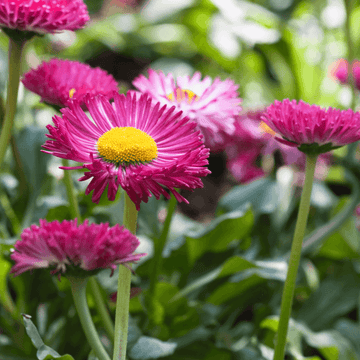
[(123, 293), (289, 287), (74, 206), (159, 247), (78, 289), (15, 53), (101, 307)]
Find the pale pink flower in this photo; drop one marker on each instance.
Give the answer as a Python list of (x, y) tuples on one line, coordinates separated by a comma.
[(67, 247), (212, 104), (143, 148), (43, 16), (58, 81)]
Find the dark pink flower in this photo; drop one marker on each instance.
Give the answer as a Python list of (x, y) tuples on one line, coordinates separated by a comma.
[(58, 81), (311, 128), (43, 16), (132, 144), (72, 248), (340, 71), (211, 104)]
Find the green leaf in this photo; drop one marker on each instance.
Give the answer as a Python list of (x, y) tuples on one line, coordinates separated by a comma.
[(217, 236), (261, 194), (151, 348), (44, 352)]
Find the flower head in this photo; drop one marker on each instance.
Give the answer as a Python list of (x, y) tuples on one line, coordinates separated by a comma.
[(58, 81), (340, 71), (43, 16), (72, 248), (132, 144), (211, 104), (310, 128)]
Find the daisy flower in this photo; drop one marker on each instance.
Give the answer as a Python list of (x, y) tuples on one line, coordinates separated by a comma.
[(57, 81), (43, 16), (211, 104), (67, 247), (143, 148), (340, 71), (310, 128)]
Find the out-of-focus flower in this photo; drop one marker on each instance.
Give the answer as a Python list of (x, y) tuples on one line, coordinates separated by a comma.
[(79, 250), (253, 143), (310, 128), (58, 81), (43, 16), (132, 144), (340, 71), (211, 104)]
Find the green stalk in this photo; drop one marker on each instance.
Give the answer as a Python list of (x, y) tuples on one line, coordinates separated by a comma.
[(295, 255), (123, 293), (78, 289), (15, 54), (158, 249), (94, 286)]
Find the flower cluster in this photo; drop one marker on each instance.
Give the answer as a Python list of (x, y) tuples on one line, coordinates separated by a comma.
[(340, 71), (211, 104), (43, 16), (58, 81), (143, 148), (70, 248)]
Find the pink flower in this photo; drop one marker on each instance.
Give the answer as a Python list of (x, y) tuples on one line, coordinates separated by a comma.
[(311, 128), (132, 144), (72, 248), (340, 71), (252, 143), (211, 104), (58, 81), (43, 16)]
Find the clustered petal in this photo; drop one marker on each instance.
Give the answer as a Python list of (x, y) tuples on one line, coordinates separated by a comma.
[(58, 81), (211, 104), (67, 247), (252, 144), (43, 16), (310, 127), (181, 155)]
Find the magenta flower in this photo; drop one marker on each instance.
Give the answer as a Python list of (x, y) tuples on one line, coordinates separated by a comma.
[(132, 144), (340, 71), (72, 248), (211, 104), (43, 16), (310, 128), (57, 81)]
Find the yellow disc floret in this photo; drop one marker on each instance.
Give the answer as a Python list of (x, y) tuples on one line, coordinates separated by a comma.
[(126, 145), (179, 95), (266, 128), (72, 92)]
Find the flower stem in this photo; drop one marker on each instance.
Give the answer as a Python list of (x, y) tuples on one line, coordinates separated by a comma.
[(158, 249), (289, 287), (15, 54), (70, 191), (78, 289), (123, 293)]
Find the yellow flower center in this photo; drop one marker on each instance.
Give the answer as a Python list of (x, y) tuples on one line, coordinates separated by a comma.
[(179, 95), (265, 128), (71, 93), (126, 145)]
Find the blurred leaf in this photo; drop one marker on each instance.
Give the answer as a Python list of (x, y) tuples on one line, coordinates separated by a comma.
[(151, 348), (217, 236)]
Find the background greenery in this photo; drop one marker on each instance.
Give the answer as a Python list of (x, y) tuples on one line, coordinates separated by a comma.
[(222, 277)]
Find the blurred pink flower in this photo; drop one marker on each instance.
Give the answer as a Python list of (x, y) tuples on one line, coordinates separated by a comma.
[(311, 128), (132, 144), (211, 104), (43, 16), (340, 71), (58, 81), (253, 141), (67, 247)]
